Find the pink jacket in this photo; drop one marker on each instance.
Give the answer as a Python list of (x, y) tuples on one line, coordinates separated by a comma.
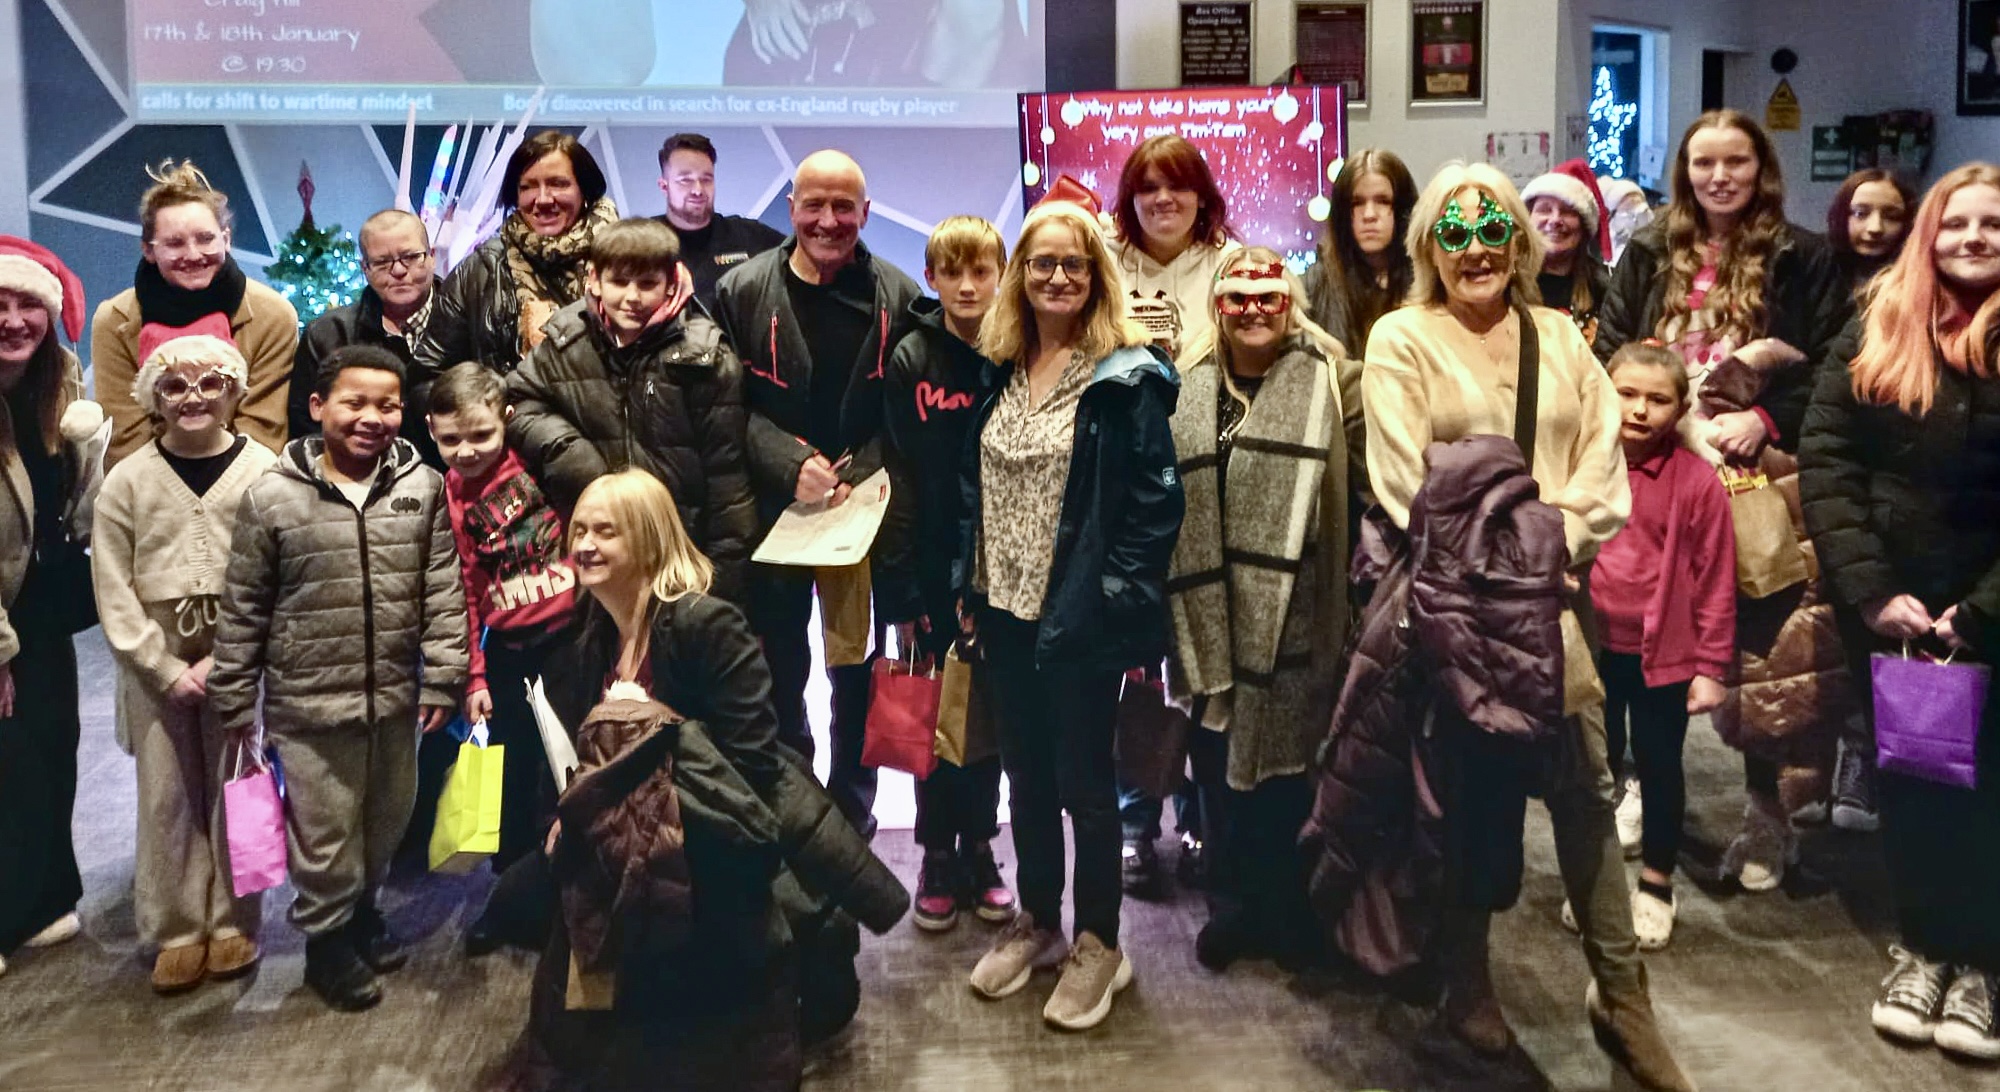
[(1690, 620)]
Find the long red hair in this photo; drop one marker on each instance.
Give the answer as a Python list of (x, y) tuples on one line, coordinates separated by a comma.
[(1897, 363)]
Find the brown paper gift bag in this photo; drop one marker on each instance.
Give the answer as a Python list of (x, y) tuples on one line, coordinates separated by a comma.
[(1768, 558), (965, 726), (844, 620)]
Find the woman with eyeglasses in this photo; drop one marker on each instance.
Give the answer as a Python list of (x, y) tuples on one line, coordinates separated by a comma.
[(1447, 366), (492, 307), (160, 544), (1753, 303), (1268, 433), (1072, 505), (188, 283), (45, 495)]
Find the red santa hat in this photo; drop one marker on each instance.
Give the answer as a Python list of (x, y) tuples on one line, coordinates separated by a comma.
[(1068, 188), (35, 272), (1572, 183), (155, 334)]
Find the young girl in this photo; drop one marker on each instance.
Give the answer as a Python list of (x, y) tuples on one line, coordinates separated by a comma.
[(162, 536), (1665, 593)]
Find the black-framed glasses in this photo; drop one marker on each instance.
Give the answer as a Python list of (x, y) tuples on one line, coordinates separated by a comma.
[(208, 387), (388, 262), (1494, 229), (1044, 268)]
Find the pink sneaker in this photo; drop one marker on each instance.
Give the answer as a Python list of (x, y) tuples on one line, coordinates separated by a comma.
[(990, 898), (936, 905)]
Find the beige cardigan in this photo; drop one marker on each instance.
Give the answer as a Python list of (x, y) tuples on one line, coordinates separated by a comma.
[(266, 329), (1429, 380), (155, 542)]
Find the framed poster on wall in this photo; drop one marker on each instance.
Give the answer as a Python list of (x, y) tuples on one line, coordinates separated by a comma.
[(1978, 57), (1448, 53), (1215, 44), (1331, 43)]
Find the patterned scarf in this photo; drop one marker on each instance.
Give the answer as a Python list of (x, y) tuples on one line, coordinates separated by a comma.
[(549, 268)]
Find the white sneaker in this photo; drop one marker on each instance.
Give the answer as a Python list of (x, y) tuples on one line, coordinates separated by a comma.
[(63, 928), (1759, 855), (1631, 819), (1653, 919), (1569, 917), (1907, 1007), (1965, 1023)]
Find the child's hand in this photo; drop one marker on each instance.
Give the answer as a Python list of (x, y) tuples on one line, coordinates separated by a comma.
[(190, 688), (434, 717), (478, 706), (1704, 695)]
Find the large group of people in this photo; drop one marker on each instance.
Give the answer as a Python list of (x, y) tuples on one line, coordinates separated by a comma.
[(1484, 507)]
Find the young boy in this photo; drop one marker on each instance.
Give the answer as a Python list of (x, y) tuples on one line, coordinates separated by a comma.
[(931, 386), (519, 589), (343, 604), (631, 376)]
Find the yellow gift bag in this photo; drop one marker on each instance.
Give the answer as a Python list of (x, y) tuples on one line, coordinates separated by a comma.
[(846, 624), (467, 830)]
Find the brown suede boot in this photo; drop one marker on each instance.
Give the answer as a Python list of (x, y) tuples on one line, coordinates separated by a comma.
[(1471, 1009), (1626, 1030)]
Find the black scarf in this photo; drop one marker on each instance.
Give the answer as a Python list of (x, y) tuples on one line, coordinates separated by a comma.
[(167, 305)]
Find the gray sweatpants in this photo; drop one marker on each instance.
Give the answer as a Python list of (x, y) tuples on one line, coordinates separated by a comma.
[(349, 791)]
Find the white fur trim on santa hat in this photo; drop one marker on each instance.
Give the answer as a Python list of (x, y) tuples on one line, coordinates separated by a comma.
[(190, 349), (1570, 192), (32, 278)]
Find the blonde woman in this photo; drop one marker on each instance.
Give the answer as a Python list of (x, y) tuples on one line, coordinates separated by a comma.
[(188, 283), (1900, 472), (159, 548), (1269, 438), (1073, 503), (1445, 367)]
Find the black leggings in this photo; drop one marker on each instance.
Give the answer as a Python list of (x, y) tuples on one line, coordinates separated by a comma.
[(1659, 724)]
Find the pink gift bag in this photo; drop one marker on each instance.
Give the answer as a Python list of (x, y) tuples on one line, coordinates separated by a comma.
[(254, 813)]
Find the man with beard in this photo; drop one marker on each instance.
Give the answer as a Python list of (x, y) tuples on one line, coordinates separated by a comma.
[(710, 244)]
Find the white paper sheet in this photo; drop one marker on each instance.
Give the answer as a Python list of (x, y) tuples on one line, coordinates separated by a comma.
[(817, 536), (555, 740)]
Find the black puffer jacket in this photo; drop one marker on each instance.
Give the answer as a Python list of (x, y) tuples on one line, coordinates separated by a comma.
[(934, 385), (1807, 294), (1106, 605), (670, 403), (360, 323), (476, 316), (1899, 504)]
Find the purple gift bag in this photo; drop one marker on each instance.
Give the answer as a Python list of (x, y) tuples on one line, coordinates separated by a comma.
[(254, 814), (1927, 716)]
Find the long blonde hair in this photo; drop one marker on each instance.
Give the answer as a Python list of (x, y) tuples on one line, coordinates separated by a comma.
[(1008, 333), (1736, 307), (650, 523), (1897, 363), (1426, 287)]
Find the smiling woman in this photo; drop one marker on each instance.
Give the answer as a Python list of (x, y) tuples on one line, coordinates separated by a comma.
[(188, 283)]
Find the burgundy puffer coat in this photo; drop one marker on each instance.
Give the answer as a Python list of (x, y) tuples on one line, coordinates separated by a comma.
[(1468, 605)]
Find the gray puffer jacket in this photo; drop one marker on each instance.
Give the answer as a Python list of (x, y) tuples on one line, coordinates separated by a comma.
[(347, 616)]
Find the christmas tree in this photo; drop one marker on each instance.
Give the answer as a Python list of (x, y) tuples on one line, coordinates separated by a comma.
[(318, 269)]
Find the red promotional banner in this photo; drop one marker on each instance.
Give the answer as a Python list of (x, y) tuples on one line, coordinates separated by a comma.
[(1272, 150)]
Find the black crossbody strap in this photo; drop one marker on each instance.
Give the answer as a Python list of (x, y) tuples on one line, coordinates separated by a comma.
[(1527, 388)]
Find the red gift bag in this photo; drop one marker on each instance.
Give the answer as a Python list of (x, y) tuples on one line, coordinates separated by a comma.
[(902, 719)]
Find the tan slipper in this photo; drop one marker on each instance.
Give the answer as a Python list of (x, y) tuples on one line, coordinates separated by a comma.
[(179, 968), (231, 956)]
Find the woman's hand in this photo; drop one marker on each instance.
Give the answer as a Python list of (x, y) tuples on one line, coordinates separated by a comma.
[(1769, 354), (1704, 695), (1946, 630), (478, 706), (968, 628), (1899, 616), (433, 717), (549, 843), (1741, 435)]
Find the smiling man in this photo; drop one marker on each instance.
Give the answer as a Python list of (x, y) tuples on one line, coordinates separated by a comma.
[(711, 244), (396, 259), (814, 321)]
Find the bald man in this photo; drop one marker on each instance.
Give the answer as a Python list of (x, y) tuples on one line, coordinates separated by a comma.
[(396, 260), (814, 320)]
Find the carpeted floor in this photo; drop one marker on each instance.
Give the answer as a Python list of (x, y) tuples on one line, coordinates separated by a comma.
[(1757, 993)]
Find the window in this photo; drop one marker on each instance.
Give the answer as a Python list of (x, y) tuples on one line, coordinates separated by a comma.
[(1627, 103)]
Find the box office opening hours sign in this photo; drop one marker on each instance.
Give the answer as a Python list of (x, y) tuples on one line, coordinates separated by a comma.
[(1215, 45)]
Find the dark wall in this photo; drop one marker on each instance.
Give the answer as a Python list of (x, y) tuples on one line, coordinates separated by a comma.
[(1082, 45)]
